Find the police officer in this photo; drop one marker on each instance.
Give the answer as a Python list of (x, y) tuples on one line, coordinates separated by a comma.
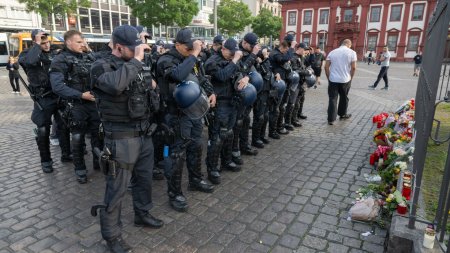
[(216, 46), (280, 60), (122, 94), (261, 109), (174, 67), (36, 63), (69, 76), (250, 48), (224, 71), (297, 98)]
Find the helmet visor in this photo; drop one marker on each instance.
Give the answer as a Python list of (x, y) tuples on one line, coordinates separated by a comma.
[(198, 109)]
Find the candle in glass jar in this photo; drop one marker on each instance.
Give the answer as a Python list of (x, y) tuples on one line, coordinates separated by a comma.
[(401, 208), (428, 239), (406, 191)]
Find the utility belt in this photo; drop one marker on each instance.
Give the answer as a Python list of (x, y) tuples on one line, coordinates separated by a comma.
[(130, 134), (41, 92)]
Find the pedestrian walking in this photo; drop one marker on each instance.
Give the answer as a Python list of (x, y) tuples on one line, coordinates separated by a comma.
[(417, 63), (13, 71), (369, 58), (384, 59), (340, 68)]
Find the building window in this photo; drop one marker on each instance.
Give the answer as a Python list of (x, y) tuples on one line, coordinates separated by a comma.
[(306, 39), (372, 42), (95, 21), (392, 42), (413, 42), (348, 15), (307, 18), (106, 22), (375, 13), (292, 18), (124, 19), (396, 13), (322, 41), (133, 21), (324, 17), (84, 20), (418, 12), (115, 19)]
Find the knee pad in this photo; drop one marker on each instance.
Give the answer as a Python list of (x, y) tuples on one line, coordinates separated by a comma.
[(43, 131)]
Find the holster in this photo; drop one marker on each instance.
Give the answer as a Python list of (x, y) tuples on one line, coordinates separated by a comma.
[(107, 165)]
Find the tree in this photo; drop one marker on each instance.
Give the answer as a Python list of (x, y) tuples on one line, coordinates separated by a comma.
[(232, 16), (48, 7), (165, 12), (266, 24)]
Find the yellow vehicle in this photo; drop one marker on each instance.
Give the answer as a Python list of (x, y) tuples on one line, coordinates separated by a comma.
[(21, 41)]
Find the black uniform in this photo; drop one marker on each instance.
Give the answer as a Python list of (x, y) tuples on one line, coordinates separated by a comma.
[(36, 64), (223, 118), (186, 142), (123, 100), (281, 65), (261, 106), (242, 126), (299, 65), (69, 76)]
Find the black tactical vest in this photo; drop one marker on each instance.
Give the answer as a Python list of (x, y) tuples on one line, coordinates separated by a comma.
[(223, 90), (134, 104), (78, 76)]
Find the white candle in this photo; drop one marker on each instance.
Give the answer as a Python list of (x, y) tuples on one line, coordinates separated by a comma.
[(428, 241)]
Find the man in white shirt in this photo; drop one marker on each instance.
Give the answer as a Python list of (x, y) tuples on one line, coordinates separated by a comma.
[(385, 59), (340, 68)]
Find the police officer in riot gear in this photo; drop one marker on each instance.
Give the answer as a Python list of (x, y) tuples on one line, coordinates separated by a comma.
[(185, 141), (250, 48), (122, 94), (224, 71), (70, 79), (261, 109), (216, 46), (280, 60), (299, 64), (36, 62)]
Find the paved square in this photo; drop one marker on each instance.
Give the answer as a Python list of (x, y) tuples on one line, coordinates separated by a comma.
[(292, 197)]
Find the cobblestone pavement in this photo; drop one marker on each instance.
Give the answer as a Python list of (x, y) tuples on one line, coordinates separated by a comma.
[(292, 197)]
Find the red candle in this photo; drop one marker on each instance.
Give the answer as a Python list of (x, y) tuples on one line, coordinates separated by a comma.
[(406, 191), (372, 159), (401, 209)]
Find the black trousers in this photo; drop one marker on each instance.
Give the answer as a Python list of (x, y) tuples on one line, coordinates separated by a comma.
[(15, 87), (336, 90), (137, 155), (85, 119), (383, 74)]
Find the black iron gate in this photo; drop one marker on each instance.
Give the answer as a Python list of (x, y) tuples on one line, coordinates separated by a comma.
[(427, 92)]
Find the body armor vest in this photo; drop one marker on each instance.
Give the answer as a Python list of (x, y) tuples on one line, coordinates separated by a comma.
[(135, 103), (78, 76)]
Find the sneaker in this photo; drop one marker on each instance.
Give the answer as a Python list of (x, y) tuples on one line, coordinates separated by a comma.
[(17, 92), (385, 88), (13, 92), (372, 87), (54, 142)]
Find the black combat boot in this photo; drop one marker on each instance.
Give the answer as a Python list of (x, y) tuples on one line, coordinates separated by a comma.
[(248, 150), (178, 202), (147, 220), (118, 245), (236, 157), (197, 184), (47, 167), (231, 166), (214, 176)]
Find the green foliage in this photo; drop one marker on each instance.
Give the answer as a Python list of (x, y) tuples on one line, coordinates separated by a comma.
[(232, 16), (166, 12), (46, 7), (266, 25)]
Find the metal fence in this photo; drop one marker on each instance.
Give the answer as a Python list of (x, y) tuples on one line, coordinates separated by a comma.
[(433, 85)]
